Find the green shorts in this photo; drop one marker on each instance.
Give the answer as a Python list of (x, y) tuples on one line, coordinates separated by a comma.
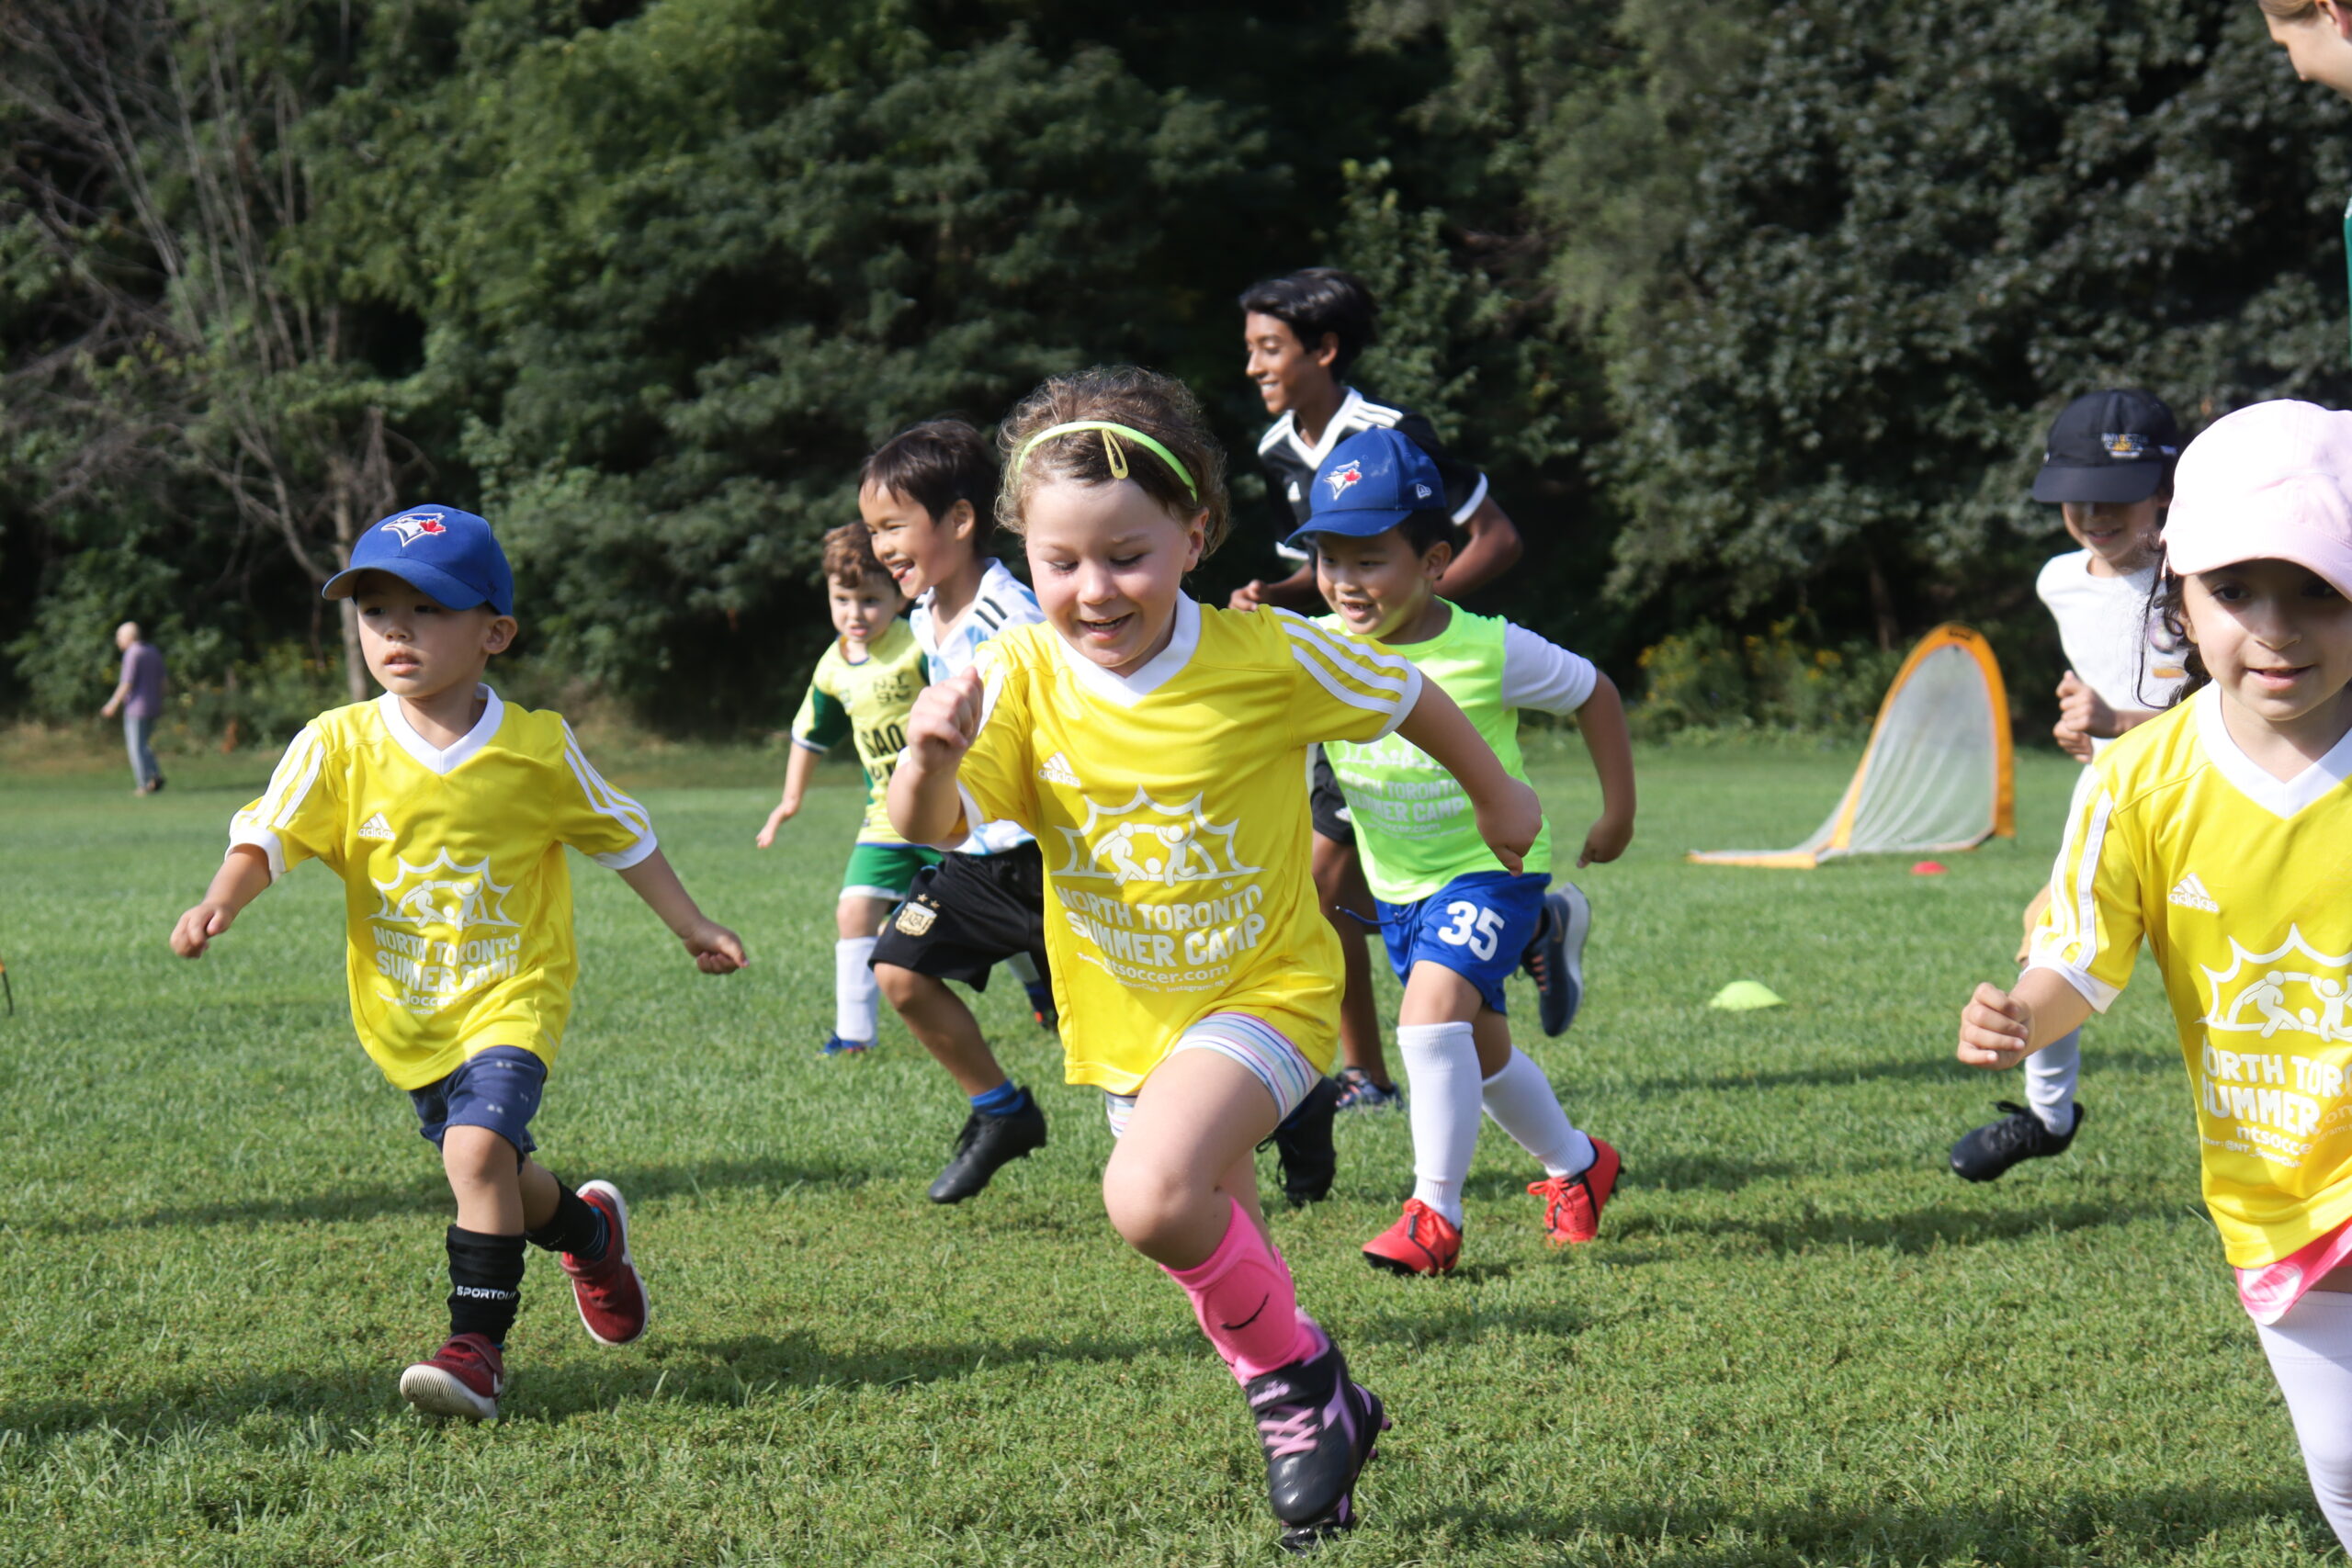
[(884, 871)]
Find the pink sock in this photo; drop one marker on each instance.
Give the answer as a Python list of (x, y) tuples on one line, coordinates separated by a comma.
[(1247, 1305)]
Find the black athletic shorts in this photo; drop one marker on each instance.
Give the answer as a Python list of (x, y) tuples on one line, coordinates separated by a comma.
[(967, 914), (1327, 806)]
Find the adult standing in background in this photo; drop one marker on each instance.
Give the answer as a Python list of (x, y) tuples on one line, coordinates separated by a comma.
[(139, 697), (2317, 37)]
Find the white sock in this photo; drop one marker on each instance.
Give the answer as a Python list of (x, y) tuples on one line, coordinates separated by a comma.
[(853, 988), (2310, 1355), (2050, 1075), (1521, 1100), (1442, 1068)]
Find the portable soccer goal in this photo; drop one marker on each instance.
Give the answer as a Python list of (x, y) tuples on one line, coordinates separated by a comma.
[(1937, 773)]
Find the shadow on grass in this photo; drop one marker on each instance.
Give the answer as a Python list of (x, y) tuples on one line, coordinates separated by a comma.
[(430, 1195), (1934, 1064), (1701, 1533), (732, 1371), (1916, 1231)]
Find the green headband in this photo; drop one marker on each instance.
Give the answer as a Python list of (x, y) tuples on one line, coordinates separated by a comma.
[(1117, 459)]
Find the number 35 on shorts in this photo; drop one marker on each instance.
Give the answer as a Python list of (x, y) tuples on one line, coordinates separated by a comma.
[(1472, 926)]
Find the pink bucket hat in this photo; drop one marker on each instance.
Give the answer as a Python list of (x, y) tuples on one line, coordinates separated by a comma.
[(2272, 481)]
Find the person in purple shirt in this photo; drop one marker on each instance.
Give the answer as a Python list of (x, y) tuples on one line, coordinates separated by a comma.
[(140, 699)]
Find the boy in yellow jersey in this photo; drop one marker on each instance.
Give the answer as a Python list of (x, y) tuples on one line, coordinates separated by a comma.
[(862, 687), (1455, 920), (445, 813), (1157, 748), (2218, 833)]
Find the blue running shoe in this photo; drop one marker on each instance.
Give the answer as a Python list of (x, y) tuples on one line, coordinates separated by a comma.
[(1358, 1092), (1041, 1003), (1555, 958), (836, 1047)]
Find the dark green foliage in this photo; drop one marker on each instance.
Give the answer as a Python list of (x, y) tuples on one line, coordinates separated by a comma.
[(1753, 313)]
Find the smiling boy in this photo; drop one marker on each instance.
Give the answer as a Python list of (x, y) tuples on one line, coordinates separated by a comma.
[(2108, 467), (445, 813), (1301, 331), (927, 496), (1455, 919)]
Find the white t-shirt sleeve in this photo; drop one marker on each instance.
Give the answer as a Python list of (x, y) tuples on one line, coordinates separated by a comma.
[(1542, 676)]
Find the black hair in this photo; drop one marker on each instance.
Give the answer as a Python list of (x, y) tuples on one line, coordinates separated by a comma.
[(2167, 609), (936, 464), (1317, 300)]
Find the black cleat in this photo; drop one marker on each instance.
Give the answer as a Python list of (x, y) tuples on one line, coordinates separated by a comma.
[(1986, 1154), (1554, 960), (986, 1144), (1303, 1144), (1318, 1431)]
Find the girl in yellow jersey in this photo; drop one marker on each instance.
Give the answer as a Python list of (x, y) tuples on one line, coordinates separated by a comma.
[(1157, 748), (2220, 832)]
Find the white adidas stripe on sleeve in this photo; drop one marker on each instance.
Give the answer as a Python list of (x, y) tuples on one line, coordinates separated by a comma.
[(607, 801), (290, 786)]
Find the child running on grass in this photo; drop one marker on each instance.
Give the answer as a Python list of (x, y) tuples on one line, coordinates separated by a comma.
[(927, 496), (2108, 464), (863, 686), (1160, 747), (1455, 920), (1302, 332), (2217, 831), (445, 813)]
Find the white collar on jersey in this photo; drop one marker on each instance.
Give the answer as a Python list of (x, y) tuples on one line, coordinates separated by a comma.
[(1128, 690), (1333, 433), (930, 635), (2280, 798), (493, 713)]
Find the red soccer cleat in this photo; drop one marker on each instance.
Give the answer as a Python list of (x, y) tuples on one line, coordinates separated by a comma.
[(610, 1291), (1422, 1241), (1572, 1204), (462, 1378)]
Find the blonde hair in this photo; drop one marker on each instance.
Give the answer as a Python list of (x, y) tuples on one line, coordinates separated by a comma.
[(1158, 406)]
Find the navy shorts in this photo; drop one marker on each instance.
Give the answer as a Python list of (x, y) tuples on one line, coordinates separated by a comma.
[(497, 1087), (1476, 926)]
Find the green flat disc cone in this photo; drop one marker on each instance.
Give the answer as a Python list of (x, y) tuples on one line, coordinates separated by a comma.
[(1744, 995)]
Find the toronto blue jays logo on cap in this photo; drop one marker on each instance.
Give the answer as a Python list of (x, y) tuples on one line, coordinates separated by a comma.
[(1372, 483), (1340, 478), (413, 525)]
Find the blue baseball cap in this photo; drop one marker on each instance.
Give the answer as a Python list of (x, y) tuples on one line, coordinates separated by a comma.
[(1373, 481), (440, 550)]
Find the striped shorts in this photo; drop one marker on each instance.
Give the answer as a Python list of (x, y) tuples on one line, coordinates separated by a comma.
[(1258, 1046)]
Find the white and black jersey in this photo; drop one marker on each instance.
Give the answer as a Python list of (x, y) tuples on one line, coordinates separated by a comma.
[(1290, 463)]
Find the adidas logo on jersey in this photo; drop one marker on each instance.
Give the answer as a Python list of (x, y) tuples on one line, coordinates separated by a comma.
[(2191, 894), (1057, 770), (376, 827)]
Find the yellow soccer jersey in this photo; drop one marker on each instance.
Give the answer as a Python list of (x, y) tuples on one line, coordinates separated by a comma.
[(2237, 881), (456, 894), (1171, 808), (868, 702)]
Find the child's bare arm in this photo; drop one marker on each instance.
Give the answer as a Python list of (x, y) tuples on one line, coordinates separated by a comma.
[(242, 875), (925, 804), (1509, 814), (1999, 1029), (1602, 719), (716, 950), (796, 768)]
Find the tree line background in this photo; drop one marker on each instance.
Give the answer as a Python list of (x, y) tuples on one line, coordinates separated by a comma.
[(1754, 312)]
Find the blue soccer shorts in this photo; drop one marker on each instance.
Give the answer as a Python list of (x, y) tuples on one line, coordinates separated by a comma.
[(497, 1087), (1476, 926)]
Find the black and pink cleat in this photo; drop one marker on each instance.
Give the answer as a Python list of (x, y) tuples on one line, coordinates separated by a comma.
[(1318, 1431)]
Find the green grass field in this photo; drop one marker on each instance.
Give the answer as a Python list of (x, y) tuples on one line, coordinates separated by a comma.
[(1799, 1341)]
